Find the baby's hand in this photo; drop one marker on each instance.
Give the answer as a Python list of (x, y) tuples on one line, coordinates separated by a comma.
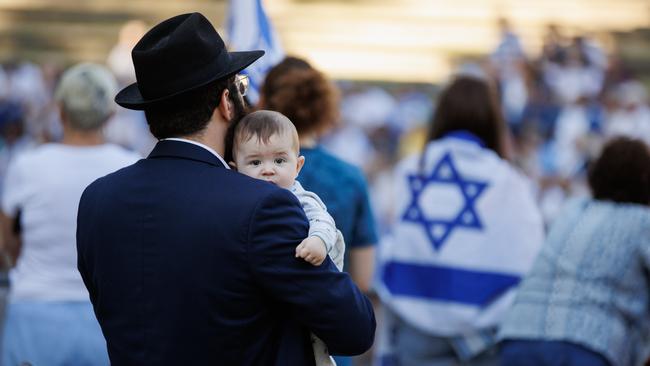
[(312, 250)]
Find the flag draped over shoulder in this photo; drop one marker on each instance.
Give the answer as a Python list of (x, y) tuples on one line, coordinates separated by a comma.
[(248, 29), (466, 230)]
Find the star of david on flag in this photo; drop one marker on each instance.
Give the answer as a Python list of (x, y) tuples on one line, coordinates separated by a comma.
[(438, 229)]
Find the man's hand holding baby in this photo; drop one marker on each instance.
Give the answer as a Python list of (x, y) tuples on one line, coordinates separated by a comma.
[(312, 250)]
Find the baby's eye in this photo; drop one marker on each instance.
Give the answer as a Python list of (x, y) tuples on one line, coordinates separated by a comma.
[(255, 162), (280, 160)]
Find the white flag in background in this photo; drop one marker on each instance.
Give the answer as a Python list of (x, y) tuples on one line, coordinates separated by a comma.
[(250, 29)]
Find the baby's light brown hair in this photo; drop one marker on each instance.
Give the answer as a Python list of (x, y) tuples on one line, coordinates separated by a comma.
[(262, 125)]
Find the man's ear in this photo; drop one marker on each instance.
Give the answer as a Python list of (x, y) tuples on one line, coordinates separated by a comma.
[(300, 164), (225, 107)]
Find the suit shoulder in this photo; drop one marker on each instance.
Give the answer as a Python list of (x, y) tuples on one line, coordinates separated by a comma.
[(94, 188), (112, 181), (261, 190), (115, 176), (234, 189), (278, 195)]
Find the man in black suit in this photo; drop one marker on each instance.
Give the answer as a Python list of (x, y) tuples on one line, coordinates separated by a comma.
[(188, 262)]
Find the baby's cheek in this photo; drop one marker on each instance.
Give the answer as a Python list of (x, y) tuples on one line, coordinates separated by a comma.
[(248, 171)]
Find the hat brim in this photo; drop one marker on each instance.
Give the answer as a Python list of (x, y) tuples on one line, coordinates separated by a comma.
[(131, 98)]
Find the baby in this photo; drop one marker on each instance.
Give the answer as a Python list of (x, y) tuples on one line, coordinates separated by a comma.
[(265, 146)]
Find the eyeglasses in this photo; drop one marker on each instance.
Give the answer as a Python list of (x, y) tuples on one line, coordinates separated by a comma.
[(241, 81)]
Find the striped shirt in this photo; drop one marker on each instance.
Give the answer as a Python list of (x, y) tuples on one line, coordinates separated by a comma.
[(590, 283)]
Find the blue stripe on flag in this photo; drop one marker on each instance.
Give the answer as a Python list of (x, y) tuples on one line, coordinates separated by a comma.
[(445, 283), (263, 22)]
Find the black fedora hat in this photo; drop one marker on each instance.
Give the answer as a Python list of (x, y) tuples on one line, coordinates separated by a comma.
[(178, 55)]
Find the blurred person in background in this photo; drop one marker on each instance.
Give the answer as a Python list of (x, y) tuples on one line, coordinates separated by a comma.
[(13, 138), (553, 44), (629, 114), (508, 63), (586, 299), (13, 141), (466, 229), (128, 128), (49, 118), (577, 73), (50, 320), (26, 85), (363, 113), (303, 94), (119, 58), (575, 80)]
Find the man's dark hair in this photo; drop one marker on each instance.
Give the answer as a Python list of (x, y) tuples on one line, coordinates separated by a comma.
[(470, 104), (622, 172), (189, 113)]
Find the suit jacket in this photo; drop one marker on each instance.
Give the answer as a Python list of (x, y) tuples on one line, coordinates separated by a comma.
[(187, 262)]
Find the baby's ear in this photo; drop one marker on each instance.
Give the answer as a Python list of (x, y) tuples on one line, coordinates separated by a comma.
[(233, 165), (301, 162)]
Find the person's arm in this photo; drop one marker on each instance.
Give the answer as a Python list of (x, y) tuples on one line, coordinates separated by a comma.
[(322, 231), (321, 223), (11, 244), (362, 244), (321, 298), (14, 195), (362, 266)]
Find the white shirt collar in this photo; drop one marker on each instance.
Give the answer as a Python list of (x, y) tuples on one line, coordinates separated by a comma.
[(201, 145)]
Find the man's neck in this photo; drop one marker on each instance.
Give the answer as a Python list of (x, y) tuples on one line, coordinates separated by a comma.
[(212, 136), (218, 148)]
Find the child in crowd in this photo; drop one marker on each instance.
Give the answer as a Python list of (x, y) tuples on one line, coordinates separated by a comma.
[(265, 146)]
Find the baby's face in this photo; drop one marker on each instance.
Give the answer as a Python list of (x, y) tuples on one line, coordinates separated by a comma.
[(276, 161)]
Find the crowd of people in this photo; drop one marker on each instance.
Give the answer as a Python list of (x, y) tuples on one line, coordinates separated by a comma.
[(498, 218), (560, 104)]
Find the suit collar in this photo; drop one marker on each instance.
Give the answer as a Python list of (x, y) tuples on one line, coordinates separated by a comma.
[(186, 150)]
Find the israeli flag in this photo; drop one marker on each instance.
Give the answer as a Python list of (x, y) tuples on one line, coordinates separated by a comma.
[(248, 29), (466, 230)]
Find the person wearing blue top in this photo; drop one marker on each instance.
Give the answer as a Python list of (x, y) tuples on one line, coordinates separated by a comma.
[(344, 187), (466, 229), (189, 262), (586, 300), (303, 94)]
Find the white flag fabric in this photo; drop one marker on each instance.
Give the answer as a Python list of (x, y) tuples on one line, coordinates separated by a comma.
[(248, 29), (466, 230)]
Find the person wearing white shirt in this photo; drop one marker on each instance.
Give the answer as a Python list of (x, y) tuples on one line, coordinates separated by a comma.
[(49, 318)]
